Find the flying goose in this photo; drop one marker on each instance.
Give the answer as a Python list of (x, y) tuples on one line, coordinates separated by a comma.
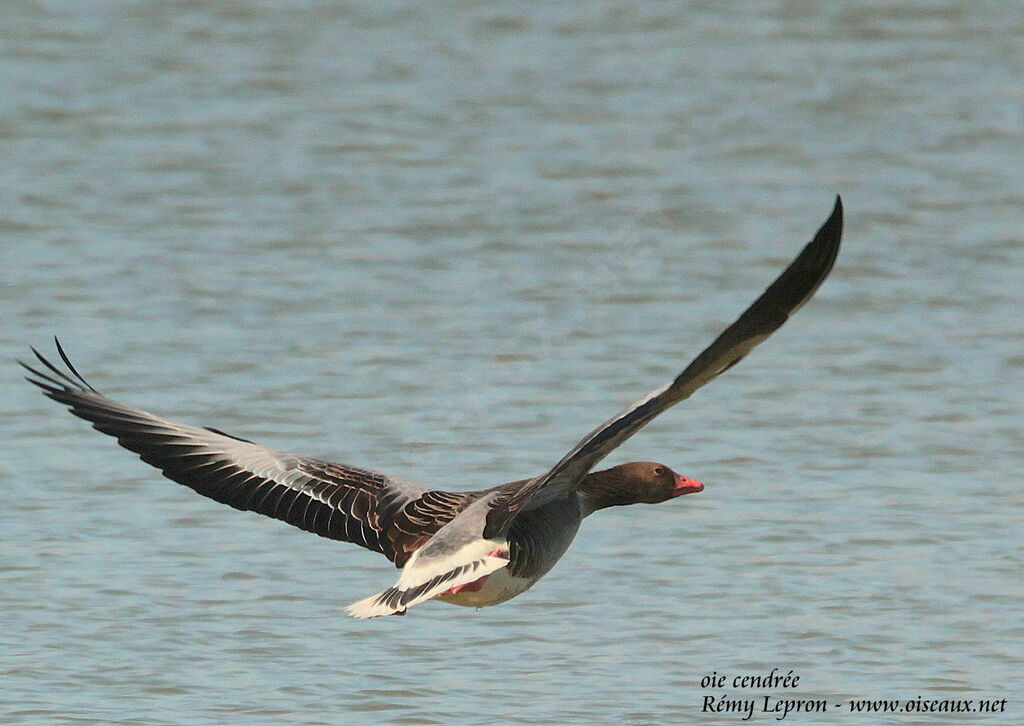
[(472, 548)]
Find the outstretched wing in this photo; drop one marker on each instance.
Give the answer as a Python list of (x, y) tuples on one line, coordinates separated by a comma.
[(337, 501), (793, 288)]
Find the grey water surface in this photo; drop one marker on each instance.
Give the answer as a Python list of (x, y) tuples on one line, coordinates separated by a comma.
[(445, 240)]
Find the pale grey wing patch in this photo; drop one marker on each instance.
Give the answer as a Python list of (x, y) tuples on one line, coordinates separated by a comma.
[(797, 283)]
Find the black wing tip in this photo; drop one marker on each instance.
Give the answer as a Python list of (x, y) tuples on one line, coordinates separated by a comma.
[(832, 228), (821, 252), (71, 367), (63, 381)]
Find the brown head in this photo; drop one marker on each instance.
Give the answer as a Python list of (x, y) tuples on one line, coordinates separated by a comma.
[(638, 482)]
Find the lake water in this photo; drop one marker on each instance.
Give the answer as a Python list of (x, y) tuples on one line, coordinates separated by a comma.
[(446, 240)]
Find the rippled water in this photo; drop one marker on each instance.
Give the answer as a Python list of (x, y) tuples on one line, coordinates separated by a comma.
[(445, 240)]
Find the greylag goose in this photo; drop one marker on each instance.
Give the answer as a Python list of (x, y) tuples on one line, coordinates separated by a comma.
[(473, 548)]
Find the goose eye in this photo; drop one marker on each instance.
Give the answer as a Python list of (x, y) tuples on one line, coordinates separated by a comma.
[(658, 470)]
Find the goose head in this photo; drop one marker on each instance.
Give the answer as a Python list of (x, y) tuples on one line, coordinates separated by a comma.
[(638, 482)]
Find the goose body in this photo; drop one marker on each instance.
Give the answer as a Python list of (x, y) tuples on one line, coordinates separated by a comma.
[(536, 541), (473, 548)]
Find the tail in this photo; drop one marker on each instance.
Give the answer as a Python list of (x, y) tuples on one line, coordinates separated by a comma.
[(411, 589)]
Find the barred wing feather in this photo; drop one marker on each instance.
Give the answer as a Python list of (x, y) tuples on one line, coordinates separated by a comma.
[(341, 502)]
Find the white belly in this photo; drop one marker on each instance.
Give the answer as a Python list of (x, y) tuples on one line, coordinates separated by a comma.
[(498, 587)]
